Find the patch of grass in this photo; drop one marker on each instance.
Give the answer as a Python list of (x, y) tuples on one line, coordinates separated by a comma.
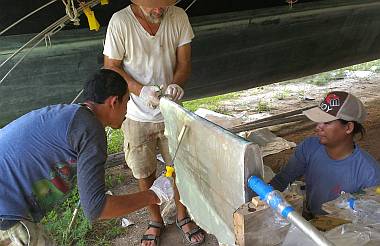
[(82, 232), (104, 232), (282, 95), (113, 180), (372, 65), (115, 141), (262, 106), (57, 221), (338, 74), (211, 103), (320, 79), (301, 93), (324, 78)]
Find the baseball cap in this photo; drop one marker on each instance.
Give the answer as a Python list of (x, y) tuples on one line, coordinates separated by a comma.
[(154, 3), (338, 105)]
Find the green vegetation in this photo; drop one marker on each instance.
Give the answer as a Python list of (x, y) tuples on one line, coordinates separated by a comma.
[(373, 66), (82, 233), (115, 141), (113, 180), (282, 95), (57, 221), (326, 77), (211, 103), (262, 106)]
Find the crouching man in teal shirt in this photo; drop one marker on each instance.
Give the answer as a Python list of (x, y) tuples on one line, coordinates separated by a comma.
[(44, 153), (331, 162)]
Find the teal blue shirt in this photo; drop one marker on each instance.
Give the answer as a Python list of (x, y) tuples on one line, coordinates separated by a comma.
[(325, 178)]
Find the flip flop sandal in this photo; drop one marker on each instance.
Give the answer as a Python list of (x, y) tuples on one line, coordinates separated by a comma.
[(190, 234), (151, 237)]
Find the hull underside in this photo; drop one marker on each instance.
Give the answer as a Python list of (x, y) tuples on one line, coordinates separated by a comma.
[(231, 51)]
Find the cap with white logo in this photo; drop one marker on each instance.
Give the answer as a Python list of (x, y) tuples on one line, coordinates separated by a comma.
[(338, 105)]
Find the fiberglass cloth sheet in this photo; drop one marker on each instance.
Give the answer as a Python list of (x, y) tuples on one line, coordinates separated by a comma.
[(212, 167)]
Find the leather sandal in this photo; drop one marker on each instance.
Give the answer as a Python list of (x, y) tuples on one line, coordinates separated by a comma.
[(188, 235), (151, 237)]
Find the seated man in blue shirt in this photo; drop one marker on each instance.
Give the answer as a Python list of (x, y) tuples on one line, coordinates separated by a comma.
[(44, 153), (331, 162)]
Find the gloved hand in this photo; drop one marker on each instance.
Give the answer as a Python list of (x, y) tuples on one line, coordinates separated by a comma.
[(150, 94), (163, 188), (175, 92)]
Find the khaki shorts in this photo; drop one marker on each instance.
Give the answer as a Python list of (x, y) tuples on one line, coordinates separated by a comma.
[(25, 233), (141, 142)]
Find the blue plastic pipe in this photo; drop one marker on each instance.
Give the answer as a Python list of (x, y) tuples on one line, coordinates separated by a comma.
[(277, 202)]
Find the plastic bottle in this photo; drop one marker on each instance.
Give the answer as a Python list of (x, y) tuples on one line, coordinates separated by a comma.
[(275, 200), (342, 200), (272, 197), (367, 211)]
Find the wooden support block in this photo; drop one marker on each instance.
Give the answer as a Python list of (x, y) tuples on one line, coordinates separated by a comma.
[(254, 224), (258, 204)]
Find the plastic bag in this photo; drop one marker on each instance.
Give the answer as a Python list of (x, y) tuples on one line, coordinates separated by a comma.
[(169, 212), (344, 235)]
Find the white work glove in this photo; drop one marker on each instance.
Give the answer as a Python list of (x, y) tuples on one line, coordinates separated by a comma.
[(163, 188), (175, 92), (150, 94)]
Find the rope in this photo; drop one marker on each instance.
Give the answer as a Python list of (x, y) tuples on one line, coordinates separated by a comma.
[(26, 16), (47, 41), (19, 61), (71, 11), (291, 2), (76, 98), (50, 30)]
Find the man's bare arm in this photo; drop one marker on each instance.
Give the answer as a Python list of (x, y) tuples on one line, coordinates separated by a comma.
[(183, 65), (117, 206), (133, 85)]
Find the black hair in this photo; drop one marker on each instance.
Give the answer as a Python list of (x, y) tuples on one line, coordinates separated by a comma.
[(358, 128), (103, 84)]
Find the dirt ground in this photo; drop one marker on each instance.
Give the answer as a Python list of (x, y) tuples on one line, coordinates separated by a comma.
[(367, 88)]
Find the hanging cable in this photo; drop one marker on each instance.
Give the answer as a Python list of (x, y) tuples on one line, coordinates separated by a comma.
[(26, 16), (191, 4)]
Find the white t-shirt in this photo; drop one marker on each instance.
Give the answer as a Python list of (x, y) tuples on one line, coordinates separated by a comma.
[(148, 59)]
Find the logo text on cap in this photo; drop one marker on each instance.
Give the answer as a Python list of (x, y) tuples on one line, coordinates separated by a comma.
[(330, 101)]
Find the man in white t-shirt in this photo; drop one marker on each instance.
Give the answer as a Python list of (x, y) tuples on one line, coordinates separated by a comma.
[(148, 42)]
